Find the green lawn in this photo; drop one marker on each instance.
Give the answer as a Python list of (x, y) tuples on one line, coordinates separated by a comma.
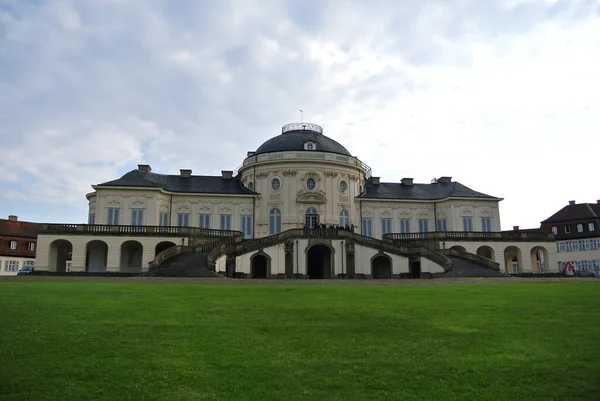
[(116, 341)]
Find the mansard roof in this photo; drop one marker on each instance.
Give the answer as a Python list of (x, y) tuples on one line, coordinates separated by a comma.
[(24, 229), (206, 184), (425, 192), (575, 212)]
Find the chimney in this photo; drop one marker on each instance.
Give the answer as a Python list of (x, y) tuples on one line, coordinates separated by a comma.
[(226, 174), (407, 181), (12, 217), (444, 180), (375, 180), (184, 172), (516, 228), (571, 202), (144, 168)]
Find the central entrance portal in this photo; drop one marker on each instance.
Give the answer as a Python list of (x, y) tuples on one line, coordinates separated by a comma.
[(319, 262)]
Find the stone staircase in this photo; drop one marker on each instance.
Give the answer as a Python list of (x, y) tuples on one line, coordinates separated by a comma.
[(465, 268), (184, 265)]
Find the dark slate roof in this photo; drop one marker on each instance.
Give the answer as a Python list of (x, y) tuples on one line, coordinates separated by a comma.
[(294, 140), (438, 191), (19, 228), (174, 183), (580, 211)]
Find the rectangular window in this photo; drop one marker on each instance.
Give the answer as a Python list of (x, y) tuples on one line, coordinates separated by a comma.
[(204, 221), (486, 224), (423, 225), (112, 216), (225, 222), (591, 227), (92, 218), (366, 227), (404, 226), (579, 228), (442, 225), (275, 222), (31, 246), (246, 226), (29, 264), (386, 226), (13, 245), (137, 217), (163, 219), (567, 229), (11, 266), (467, 223), (183, 219)]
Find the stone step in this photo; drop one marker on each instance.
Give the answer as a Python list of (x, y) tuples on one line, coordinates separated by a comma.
[(463, 268)]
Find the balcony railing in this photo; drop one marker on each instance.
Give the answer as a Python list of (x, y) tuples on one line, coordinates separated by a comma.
[(165, 231), (469, 236)]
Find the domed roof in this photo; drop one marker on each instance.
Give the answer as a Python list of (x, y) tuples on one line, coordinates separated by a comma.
[(302, 136)]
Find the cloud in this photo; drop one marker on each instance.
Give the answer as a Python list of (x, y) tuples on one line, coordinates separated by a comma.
[(502, 95)]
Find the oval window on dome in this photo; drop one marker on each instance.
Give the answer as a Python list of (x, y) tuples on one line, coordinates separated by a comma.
[(275, 184), (343, 186), (311, 183)]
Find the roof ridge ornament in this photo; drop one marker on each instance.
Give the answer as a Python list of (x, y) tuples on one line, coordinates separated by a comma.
[(302, 126)]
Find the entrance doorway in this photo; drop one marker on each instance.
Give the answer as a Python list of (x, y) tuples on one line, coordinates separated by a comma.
[(259, 266), (319, 262), (415, 269), (381, 267)]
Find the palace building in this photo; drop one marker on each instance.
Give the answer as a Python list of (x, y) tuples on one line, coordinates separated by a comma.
[(299, 206)]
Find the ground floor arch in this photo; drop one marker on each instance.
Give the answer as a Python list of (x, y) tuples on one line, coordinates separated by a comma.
[(458, 248), (96, 256), (414, 268), (60, 253), (513, 260), (131, 257), (539, 259), (486, 252), (163, 246), (381, 267), (319, 262), (260, 266)]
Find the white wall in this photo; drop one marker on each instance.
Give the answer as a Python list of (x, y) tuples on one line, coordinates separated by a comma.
[(19, 260)]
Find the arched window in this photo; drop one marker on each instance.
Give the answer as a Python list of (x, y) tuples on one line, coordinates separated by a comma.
[(344, 218), (591, 227), (274, 221), (13, 245), (312, 217)]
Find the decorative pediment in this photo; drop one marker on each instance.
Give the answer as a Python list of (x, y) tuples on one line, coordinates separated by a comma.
[(310, 196), (313, 175)]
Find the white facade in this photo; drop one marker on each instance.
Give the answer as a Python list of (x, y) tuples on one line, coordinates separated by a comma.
[(277, 191)]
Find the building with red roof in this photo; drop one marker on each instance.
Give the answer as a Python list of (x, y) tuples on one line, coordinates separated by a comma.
[(18, 243)]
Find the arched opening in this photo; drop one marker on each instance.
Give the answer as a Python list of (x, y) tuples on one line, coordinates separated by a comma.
[(415, 268), (96, 255), (60, 254), (486, 252), (458, 248), (319, 262), (539, 259), (163, 246), (131, 257), (381, 267), (259, 266), (513, 260), (311, 219)]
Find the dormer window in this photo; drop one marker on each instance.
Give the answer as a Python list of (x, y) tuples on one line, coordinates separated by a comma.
[(591, 227), (310, 146), (567, 229), (554, 230), (580, 228), (13, 245)]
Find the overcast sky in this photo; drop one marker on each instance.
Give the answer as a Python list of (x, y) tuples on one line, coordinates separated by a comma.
[(502, 95)]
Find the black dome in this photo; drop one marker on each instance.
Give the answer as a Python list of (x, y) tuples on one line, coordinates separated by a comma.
[(295, 135)]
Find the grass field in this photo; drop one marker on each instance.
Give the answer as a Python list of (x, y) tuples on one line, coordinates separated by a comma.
[(123, 341)]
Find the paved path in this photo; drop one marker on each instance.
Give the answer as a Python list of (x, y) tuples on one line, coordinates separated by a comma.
[(217, 281)]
